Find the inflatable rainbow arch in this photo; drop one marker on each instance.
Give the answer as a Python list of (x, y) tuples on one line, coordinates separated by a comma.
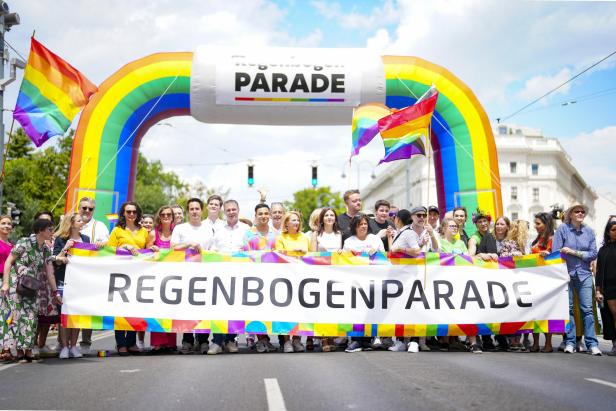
[(148, 90)]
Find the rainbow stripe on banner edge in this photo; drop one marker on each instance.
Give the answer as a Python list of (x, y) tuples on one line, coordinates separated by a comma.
[(345, 258), (310, 329)]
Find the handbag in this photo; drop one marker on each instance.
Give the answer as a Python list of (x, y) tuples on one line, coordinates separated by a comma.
[(27, 286)]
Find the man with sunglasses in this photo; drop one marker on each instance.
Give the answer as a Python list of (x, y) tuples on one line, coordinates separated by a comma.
[(422, 233), (576, 242), (98, 233)]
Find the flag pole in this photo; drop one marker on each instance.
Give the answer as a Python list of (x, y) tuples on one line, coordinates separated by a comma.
[(428, 149)]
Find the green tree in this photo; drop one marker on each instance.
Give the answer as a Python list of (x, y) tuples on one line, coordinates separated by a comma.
[(309, 199), (154, 186), (35, 180)]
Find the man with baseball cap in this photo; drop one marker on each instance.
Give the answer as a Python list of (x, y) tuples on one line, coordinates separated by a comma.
[(576, 242)]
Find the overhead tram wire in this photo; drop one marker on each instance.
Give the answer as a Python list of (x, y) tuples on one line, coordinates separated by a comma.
[(498, 120), (15, 50), (576, 100)]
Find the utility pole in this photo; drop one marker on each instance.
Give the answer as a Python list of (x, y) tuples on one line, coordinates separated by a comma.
[(7, 20)]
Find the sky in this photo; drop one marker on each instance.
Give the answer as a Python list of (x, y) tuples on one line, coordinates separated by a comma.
[(508, 53)]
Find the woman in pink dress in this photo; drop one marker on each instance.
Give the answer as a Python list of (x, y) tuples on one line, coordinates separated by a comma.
[(160, 238), (6, 227)]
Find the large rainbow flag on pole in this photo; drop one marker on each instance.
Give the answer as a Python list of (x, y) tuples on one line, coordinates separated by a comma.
[(404, 131), (52, 93)]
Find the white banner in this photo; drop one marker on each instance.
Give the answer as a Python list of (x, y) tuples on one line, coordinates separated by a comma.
[(162, 293), (283, 85)]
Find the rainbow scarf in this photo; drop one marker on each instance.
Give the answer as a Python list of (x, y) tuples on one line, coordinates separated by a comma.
[(403, 132), (52, 93), (364, 126)]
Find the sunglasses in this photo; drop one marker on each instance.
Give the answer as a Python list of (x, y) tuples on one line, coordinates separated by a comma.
[(393, 213), (579, 212), (87, 208), (130, 211), (421, 215), (166, 214), (453, 227)]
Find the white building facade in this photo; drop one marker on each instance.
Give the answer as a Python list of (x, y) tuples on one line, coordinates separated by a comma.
[(536, 173)]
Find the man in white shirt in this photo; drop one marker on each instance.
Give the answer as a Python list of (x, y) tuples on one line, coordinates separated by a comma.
[(99, 234), (277, 213), (214, 204), (229, 238), (193, 235)]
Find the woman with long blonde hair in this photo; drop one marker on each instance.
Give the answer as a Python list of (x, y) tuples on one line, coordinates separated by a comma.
[(67, 235)]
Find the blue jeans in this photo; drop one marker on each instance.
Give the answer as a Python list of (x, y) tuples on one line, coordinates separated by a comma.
[(220, 338), (584, 293)]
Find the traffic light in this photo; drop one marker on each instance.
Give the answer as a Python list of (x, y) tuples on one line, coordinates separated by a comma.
[(315, 176), (14, 212), (251, 175)]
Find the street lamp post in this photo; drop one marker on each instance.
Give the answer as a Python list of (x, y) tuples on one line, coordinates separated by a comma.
[(358, 164), (7, 20)]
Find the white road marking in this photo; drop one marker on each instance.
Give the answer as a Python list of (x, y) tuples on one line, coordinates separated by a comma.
[(598, 381), (7, 366), (103, 335), (130, 371), (275, 401)]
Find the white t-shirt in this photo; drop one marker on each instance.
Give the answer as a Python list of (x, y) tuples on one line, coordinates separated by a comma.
[(188, 233), (229, 239), (329, 241), (372, 242), (96, 230), (214, 226)]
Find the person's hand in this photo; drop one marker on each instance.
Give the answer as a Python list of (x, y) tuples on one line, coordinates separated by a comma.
[(5, 289), (567, 250), (429, 228), (372, 251), (599, 296), (382, 233), (262, 194), (195, 246), (58, 299), (69, 245), (100, 244), (154, 248), (390, 231), (544, 253), (131, 250)]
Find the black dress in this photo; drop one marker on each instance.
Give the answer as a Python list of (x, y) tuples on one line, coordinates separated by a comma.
[(606, 270)]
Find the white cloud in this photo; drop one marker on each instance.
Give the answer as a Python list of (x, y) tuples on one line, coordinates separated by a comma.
[(593, 152), (383, 14), (539, 85), (493, 45)]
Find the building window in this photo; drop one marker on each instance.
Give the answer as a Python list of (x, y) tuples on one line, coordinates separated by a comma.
[(513, 167), (514, 216), (502, 129), (535, 169), (514, 193), (536, 194)]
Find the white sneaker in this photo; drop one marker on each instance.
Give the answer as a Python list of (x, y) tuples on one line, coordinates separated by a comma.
[(594, 350), (214, 349), (140, 345), (204, 348), (413, 347), (288, 346), (64, 353), (569, 349), (262, 346), (85, 349), (231, 347), (75, 353), (581, 347), (377, 344), (297, 346), (398, 346), (186, 348)]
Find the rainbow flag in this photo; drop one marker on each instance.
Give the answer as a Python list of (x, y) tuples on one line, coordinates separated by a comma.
[(403, 132), (112, 218), (52, 93), (364, 126)]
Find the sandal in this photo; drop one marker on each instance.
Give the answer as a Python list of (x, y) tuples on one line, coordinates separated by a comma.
[(547, 349), (535, 348), (6, 356)]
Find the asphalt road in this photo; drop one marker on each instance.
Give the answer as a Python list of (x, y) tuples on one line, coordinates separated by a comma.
[(313, 381)]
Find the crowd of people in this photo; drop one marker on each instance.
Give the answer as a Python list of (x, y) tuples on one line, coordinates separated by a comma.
[(34, 268)]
